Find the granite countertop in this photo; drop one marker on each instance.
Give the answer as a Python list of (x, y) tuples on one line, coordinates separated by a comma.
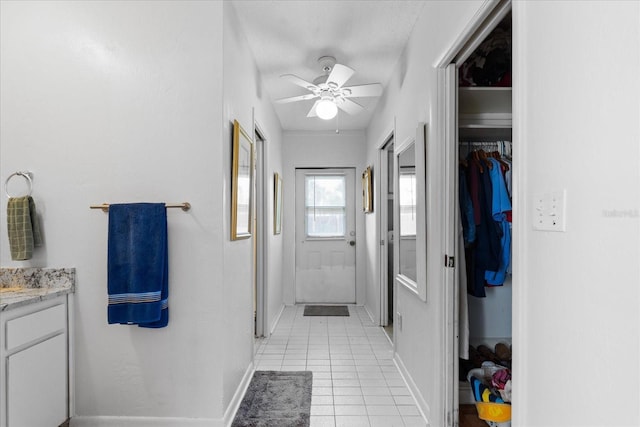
[(22, 286)]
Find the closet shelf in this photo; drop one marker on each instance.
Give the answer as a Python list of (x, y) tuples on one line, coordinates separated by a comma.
[(474, 100), (484, 88), (485, 134), (485, 120)]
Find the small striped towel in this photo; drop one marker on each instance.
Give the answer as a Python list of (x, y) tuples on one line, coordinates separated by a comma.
[(23, 227)]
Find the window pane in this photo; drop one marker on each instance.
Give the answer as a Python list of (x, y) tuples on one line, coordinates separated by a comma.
[(325, 205), (325, 222), (325, 190), (407, 201)]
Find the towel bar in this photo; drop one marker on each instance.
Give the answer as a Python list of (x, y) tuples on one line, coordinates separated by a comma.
[(25, 175), (185, 206)]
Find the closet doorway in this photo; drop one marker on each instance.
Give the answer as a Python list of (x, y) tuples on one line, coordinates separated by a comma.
[(386, 197), (477, 130)]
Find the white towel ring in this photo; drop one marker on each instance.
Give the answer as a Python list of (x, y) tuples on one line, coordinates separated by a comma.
[(25, 175)]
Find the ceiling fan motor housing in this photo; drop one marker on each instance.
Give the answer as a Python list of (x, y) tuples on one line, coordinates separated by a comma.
[(327, 63)]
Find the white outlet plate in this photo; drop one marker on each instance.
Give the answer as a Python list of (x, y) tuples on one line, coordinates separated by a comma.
[(550, 211)]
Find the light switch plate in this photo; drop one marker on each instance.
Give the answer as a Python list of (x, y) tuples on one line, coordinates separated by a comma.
[(550, 211)]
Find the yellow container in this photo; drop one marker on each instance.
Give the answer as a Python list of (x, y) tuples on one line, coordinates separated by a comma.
[(490, 411)]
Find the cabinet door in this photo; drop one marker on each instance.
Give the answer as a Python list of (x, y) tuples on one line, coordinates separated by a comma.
[(37, 385)]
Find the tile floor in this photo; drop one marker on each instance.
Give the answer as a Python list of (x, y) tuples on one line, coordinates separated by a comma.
[(355, 382)]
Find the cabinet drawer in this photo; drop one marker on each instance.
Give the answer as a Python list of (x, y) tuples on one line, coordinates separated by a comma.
[(30, 327)]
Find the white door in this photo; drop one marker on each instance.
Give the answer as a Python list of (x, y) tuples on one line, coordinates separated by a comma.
[(325, 236), (451, 274)]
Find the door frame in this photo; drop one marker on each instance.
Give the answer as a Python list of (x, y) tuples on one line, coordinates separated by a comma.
[(355, 225), (262, 232), (383, 220), (485, 20)]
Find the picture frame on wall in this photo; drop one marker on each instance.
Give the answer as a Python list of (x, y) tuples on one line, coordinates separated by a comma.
[(367, 190), (241, 183), (277, 203)]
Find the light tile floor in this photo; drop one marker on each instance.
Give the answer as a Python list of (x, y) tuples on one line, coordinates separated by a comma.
[(355, 382)]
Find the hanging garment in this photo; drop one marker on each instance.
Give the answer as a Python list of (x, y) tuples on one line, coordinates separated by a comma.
[(466, 210), (463, 306), (487, 249), (500, 205)]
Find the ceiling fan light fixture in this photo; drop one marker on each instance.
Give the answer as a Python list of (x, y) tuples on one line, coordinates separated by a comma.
[(326, 109)]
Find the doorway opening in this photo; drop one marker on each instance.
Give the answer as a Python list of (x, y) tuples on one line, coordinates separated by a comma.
[(387, 282), (260, 236), (477, 127)]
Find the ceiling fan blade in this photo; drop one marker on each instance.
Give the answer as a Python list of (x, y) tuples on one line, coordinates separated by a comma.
[(340, 74), (296, 98), (312, 112), (350, 107), (372, 89), (300, 82)]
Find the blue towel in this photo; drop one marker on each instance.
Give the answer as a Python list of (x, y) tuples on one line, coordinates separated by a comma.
[(138, 284)]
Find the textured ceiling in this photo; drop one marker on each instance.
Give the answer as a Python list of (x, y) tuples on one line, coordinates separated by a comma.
[(288, 37)]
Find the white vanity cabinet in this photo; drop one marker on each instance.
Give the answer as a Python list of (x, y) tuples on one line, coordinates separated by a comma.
[(35, 367)]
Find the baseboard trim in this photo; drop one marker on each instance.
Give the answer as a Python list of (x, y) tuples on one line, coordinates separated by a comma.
[(413, 388), (230, 413), (272, 327), (83, 421), (369, 313)]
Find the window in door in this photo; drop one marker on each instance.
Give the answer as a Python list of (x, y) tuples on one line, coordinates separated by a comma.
[(325, 206)]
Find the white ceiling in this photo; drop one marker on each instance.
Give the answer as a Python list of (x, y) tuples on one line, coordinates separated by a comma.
[(288, 37)]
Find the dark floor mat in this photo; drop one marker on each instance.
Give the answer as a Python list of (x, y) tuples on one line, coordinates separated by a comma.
[(276, 398), (326, 310)]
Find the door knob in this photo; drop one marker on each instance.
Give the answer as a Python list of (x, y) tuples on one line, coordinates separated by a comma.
[(352, 242)]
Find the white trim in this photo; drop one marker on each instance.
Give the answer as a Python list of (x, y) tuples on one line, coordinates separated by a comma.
[(382, 219), (520, 231), (230, 413), (265, 228), (144, 422), (448, 134), (368, 313), (276, 319), (71, 362), (423, 406), (460, 49)]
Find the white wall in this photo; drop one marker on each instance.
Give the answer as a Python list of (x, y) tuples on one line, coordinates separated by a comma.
[(119, 102), (320, 149), (122, 102), (242, 95), (578, 126)]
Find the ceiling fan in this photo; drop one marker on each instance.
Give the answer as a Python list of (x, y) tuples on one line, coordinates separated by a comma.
[(329, 88)]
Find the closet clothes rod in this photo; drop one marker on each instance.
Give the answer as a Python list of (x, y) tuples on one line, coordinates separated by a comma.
[(185, 206)]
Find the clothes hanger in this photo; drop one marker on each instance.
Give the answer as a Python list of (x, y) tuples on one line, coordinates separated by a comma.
[(483, 156), (475, 157), (496, 155)]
